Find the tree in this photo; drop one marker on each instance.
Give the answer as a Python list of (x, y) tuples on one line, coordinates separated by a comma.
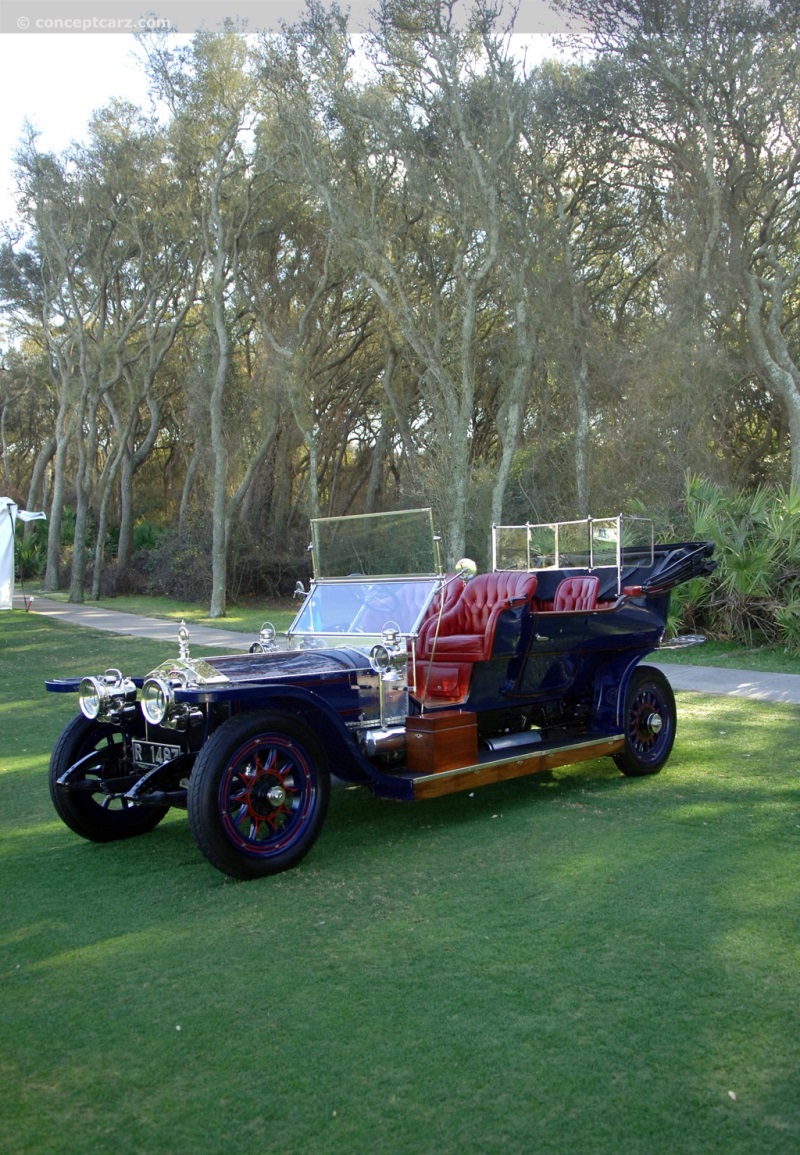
[(409, 166), (126, 159), (210, 91), (112, 278), (310, 312), (710, 94)]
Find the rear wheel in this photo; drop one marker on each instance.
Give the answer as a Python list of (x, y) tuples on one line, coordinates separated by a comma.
[(86, 804), (258, 795), (649, 722)]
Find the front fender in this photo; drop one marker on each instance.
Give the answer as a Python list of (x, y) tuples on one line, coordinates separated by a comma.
[(340, 742), (311, 708)]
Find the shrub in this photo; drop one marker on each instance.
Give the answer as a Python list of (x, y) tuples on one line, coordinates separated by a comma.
[(30, 551), (146, 535), (754, 595), (179, 565)]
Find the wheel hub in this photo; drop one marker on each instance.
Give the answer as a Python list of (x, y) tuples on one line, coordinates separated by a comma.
[(265, 796), (276, 795), (655, 723)]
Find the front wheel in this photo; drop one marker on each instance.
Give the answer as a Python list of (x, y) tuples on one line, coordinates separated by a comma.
[(90, 804), (649, 723), (258, 795)]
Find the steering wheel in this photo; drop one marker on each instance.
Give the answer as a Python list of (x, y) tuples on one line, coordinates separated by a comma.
[(382, 603)]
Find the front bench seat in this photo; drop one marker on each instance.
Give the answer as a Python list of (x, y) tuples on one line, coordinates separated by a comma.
[(452, 588), (577, 593), (467, 628)]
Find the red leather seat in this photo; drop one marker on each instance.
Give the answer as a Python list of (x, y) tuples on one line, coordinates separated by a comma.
[(453, 589), (467, 628), (577, 593)]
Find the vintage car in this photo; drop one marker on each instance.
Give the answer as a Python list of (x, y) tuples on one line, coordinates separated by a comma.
[(393, 674)]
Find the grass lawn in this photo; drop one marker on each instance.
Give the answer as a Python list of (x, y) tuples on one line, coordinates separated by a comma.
[(768, 658), (572, 963)]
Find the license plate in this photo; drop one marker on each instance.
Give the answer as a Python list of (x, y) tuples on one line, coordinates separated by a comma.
[(153, 753)]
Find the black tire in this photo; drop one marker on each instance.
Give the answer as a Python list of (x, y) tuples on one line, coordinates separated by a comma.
[(649, 723), (91, 813), (258, 795)]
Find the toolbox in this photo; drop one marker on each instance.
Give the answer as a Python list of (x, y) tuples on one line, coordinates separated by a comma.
[(440, 741)]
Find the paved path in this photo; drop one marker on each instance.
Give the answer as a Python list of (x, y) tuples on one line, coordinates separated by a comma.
[(704, 679), (160, 629), (737, 683)]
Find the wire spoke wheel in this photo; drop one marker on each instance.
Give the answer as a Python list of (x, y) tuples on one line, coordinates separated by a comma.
[(649, 723), (266, 794), (258, 795)]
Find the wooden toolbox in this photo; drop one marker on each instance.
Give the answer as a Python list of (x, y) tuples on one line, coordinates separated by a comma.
[(440, 741)]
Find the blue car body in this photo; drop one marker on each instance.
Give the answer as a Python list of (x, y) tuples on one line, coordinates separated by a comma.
[(393, 675)]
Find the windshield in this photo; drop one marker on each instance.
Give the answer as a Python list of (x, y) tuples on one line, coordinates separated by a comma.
[(375, 545), (363, 607)]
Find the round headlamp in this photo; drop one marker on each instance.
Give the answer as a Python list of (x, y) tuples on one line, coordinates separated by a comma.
[(106, 695), (389, 654), (380, 658), (90, 697), (156, 698)]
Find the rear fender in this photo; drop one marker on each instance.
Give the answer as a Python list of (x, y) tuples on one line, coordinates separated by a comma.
[(610, 691)]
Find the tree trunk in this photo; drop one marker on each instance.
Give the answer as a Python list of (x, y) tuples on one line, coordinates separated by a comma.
[(64, 425), (87, 448), (36, 493), (772, 360), (219, 541)]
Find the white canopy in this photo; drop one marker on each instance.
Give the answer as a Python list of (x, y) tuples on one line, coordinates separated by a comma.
[(9, 511)]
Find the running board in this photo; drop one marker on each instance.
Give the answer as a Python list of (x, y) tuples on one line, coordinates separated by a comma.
[(502, 769)]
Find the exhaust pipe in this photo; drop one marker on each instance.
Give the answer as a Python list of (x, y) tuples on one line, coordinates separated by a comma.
[(500, 742)]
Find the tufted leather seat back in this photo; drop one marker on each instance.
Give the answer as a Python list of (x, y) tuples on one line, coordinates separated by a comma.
[(472, 611), (577, 593), (467, 628), (453, 589)]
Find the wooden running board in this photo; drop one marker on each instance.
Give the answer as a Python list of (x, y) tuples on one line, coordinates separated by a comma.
[(502, 769)]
